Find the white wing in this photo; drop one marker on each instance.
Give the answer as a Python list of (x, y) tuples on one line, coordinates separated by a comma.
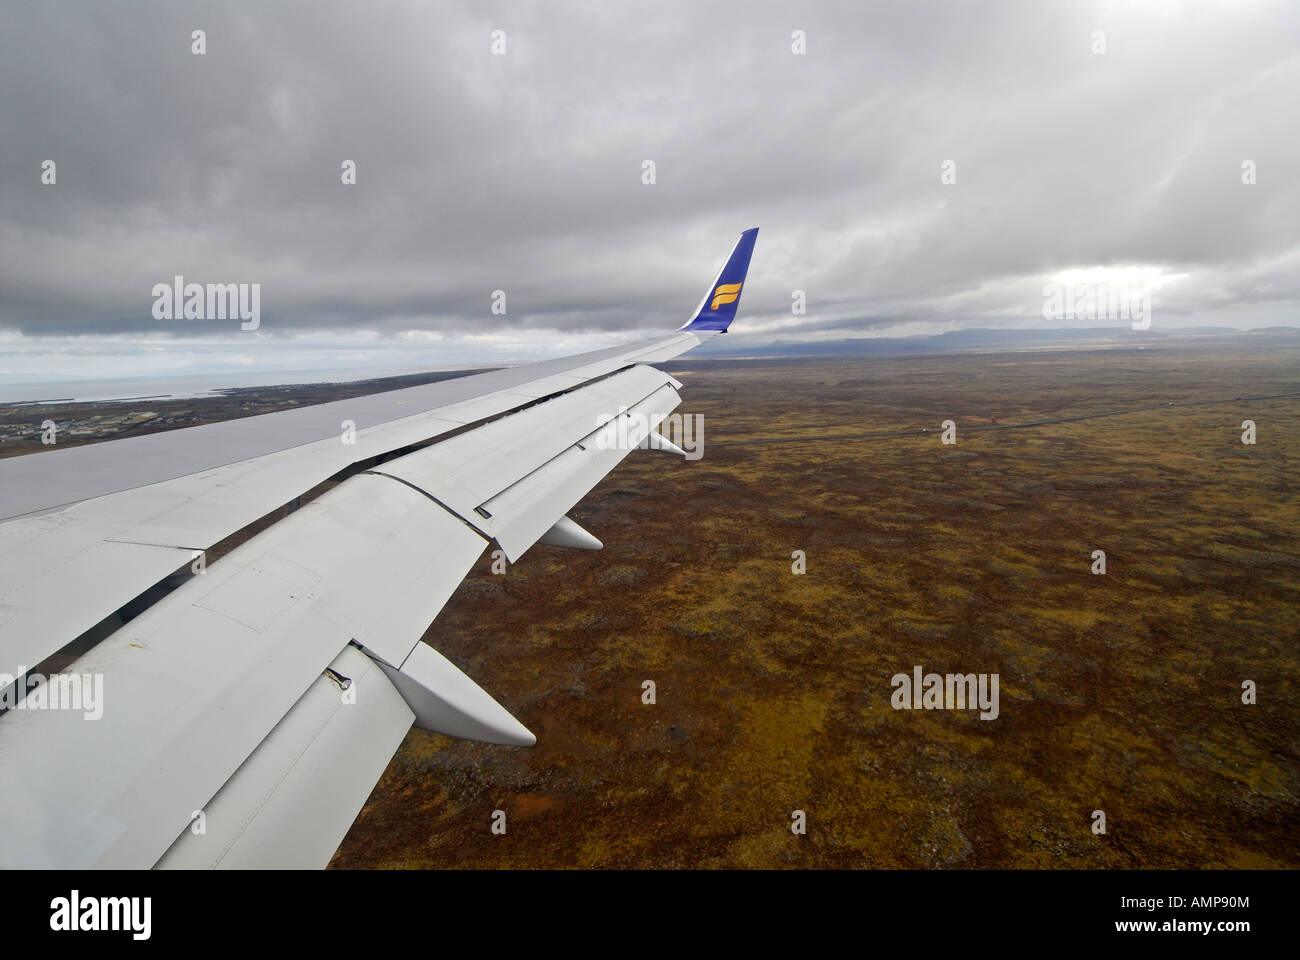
[(247, 713)]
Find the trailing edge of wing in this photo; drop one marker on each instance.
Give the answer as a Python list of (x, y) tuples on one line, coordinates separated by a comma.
[(196, 682), (294, 798)]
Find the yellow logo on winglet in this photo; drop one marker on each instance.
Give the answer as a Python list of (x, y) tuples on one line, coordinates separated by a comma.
[(726, 293)]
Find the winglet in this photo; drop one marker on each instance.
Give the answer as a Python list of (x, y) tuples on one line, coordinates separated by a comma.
[(722, 299)]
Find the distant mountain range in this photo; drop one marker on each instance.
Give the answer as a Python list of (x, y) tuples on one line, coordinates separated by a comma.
[(978, 339)]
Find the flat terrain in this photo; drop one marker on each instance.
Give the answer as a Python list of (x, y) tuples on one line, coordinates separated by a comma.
[(1119, 692)]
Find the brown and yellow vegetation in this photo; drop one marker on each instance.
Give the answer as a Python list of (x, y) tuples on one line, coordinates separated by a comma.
[(1119, 692)]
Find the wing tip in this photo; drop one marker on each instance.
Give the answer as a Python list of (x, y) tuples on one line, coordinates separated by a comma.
[(717, 310)]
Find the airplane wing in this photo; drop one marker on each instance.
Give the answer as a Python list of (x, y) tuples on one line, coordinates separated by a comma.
[(237, 711)]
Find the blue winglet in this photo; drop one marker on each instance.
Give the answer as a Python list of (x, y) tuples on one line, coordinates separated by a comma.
[(722, 299)]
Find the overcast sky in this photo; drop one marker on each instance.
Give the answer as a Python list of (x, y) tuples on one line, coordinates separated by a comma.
[(523, 172)]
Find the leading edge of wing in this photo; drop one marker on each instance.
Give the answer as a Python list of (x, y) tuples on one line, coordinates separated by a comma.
[(51, 480)]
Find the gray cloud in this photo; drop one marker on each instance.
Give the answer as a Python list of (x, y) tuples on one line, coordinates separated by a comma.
[(522, 171)]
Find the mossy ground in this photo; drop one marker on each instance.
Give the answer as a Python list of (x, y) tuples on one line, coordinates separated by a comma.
[(1119, 692)]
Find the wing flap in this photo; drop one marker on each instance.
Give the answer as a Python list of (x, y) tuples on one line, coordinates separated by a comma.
[(523, 512), (194, 683), (468, 469), (290, 804), (55, 552), (507, 478)]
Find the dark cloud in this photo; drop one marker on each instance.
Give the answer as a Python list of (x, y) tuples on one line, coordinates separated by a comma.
[(522, 172)]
